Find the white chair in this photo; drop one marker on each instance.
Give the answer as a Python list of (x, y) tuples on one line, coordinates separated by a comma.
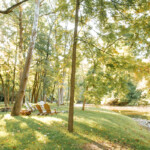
[(27, 106), (41, 103), (32, 107)]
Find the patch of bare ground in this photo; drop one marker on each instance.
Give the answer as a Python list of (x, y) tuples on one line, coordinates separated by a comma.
[(103, 146)]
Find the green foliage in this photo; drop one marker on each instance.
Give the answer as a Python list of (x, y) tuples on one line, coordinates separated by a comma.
[(133, 95)]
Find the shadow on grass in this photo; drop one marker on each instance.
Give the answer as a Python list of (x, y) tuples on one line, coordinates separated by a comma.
[(113, 127), (58, 136), (89, 127)]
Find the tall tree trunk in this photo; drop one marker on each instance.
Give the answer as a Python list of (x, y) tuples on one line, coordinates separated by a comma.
[(34, 87), (14, 77), (46, 59), (83, 106), (84, 102), (72, 90), (62, 88), (58, 102), (61, 95), (18, 103), (29, 95), (4, 92), (44, 78), (38, 90), (68, 89), (53, 93), (8, 86), (20, 41)]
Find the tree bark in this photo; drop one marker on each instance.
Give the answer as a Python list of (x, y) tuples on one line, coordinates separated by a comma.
[(58, 102), (4, 92), (84, 102), (68, 95), (38, 90), (18, 103), (8, 93), (14, 77), (34, 87), (29, 95), (62, 88), (20, 42), (53, 93), (83, 106), (46, 59), (44, 78), (71, 105)]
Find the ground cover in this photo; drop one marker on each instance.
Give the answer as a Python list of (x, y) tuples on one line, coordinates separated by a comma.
[(131, 111), (96, 127)]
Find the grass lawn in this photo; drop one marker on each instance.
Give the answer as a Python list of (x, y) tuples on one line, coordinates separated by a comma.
[(94, 127)]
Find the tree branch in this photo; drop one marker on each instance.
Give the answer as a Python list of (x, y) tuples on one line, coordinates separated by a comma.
[(112, 43), (10, 9)]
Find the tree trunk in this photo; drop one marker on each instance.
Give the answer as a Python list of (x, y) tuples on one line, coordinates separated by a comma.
[(29, 95), (8, 93), (71, 105), (4, 92), (61, 95), (14, 77), (37, 89), (68, 91), (44, 78), (62, 88), (24, 99), (18, 103), (53, 93), (37, 94), (83, 106), (58, 102), (46, 59), (34, 87), (20, 42)]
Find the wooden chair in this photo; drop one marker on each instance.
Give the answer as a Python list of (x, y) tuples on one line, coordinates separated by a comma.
[(48, 110), (39, 108)]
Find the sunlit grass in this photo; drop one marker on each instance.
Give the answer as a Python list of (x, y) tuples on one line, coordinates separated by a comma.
[(47, 120), (94, 125)]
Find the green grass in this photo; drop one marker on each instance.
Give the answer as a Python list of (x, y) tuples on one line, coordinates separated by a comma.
[(94, 125), (134, 114)]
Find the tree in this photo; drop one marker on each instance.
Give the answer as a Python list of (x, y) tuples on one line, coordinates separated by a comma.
[(71, 105), (10, 9), (18, 103), (112, 40)]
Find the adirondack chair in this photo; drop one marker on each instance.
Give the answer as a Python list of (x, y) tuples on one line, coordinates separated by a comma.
[(41, 111), (29, 106), (49, 111), (32, 107)]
